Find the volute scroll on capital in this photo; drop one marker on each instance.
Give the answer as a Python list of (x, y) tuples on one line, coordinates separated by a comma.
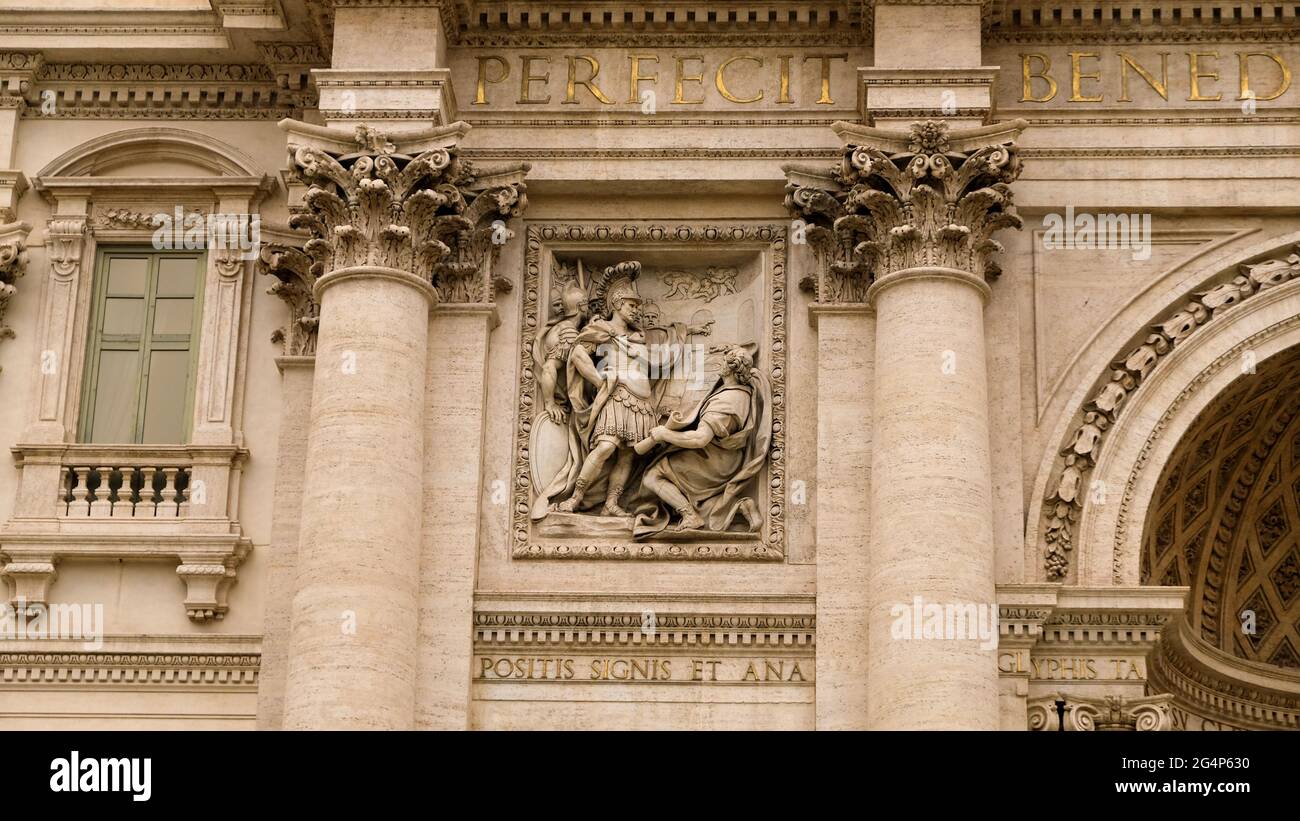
[(13, 265), (928, 198), (407, 202)]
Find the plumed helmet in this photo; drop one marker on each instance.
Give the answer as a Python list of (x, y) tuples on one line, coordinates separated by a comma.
[(618, 284)]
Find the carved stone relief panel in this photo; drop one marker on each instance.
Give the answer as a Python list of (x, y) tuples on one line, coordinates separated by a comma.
[(651, 409)]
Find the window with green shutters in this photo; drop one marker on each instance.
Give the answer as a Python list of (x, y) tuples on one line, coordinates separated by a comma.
[(144, 328)]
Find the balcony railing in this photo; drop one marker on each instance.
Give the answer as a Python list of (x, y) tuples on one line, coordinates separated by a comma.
[(130, 491)]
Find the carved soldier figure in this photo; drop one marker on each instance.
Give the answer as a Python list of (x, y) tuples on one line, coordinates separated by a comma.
[(624, 407), (551, 350)]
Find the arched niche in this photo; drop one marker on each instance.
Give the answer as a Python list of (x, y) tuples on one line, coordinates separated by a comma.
[(1148, 388)]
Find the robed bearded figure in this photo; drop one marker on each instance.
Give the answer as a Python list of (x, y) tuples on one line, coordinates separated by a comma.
[(704, 462)]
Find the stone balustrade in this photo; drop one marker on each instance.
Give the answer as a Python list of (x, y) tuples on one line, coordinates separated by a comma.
[(126, 491)]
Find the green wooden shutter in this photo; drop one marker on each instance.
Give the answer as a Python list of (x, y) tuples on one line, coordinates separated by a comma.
[(141, 364)]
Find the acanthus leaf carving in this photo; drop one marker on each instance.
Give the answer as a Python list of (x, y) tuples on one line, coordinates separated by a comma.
[(293, 269), (928, 204), (13, 265), (431, 214)]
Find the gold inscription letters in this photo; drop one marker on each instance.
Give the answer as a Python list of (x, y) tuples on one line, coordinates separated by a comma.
[(1093, 73), (736, 79)]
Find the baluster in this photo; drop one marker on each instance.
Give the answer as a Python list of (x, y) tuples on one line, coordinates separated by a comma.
[(167, 507), (80, 505), (148, 497), (124, 507), (66, 480), (182, 496), (102, 506)]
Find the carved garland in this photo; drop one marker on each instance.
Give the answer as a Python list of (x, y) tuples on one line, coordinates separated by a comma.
[(1064, 500), (773, 549), (926, 206)]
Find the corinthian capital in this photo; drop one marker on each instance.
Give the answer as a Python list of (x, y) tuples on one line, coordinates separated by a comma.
[(897, 200), (293, 270), (406, 202), (13, 264)]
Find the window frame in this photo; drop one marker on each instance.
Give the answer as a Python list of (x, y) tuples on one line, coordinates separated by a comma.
[(148, 343)]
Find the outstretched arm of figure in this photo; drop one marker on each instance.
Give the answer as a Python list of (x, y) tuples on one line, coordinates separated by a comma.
[(690, 439)]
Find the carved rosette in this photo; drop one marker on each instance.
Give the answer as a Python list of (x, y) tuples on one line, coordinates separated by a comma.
[(1064, 502), (293, 269), (432, 214), (924, 201)]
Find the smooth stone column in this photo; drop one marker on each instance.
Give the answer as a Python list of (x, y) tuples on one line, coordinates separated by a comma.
[(931, 502), (352, 656)]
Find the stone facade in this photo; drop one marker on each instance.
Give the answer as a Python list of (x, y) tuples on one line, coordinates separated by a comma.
[(786, 365)]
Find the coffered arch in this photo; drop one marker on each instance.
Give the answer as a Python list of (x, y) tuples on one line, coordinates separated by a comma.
[(1225, 519)]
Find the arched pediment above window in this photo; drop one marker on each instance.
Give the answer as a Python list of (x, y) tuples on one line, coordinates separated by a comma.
[(110, 152), (151, 159)]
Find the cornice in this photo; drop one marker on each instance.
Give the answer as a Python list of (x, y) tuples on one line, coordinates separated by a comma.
[(86, 90), (1109, 21), (185, 661), (651, 153), (652, 122), (540, 23), (743, 631), (1174, 152), (1212, 684)]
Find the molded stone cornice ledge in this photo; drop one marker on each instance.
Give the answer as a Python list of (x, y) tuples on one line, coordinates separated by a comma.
[(250, 14), (112, 26), (930, 197), (354, 96), (1022, 611), (405, 201), (783, 23), (13, 264), (1211, 684), (1126, 615)]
